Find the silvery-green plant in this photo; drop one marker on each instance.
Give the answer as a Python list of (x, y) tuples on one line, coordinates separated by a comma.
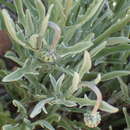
[(56, 50)]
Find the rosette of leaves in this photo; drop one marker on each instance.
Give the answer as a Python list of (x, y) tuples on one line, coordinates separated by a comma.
[(50, 91)]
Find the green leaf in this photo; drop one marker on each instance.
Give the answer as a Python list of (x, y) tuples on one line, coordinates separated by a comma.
[(30, 29), (31, 6), (30, 66), (127, 117), (88, 102), (48, 125), (53, 118), (86, 65), (77, 48), (33, 41), (53, 82), (68, 33), (124, 88), (20, 107), (64, 124), (59, 5), (11, 55), (8, 5), (97, 79), (17, 127), (114, 28), (43, 124), (98, 48), (40, 106), (112, 50), (20, 11), (14, 76), (45, 22), (67, 103), (75, 83), (40, 9), (91, 11), (10, 127), (59, 83), (117, 40), (114, 74), (68, 7), (20, 33), (9, 25)]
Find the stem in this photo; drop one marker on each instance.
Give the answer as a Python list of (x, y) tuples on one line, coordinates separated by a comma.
[(57, 36), (94, 88)]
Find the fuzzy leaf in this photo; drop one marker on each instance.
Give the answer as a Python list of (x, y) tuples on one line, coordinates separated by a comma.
[(10, 127), (67, 103), (88, 102), (59, 83), (85, 18), (53, 82), (20, 107), (29, 23), (124, 88), (14, 76), (43, 124), (33, 41), (98, 79), (114, 74), (9, 25), (91, 11), (40, 9), (45, 22), (112, 50), (114, 28), (20, 11), (77, 48), (86, 66), (127, 117), (11, 55), (31, 6), (117, 40), (98, 48), (39, 107), (17, 127), (75, 82), (29, 67)]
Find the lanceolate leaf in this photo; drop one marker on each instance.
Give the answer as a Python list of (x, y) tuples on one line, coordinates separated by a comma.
[(86, 65), (44, 24), (114, 74), (88, 102), (127, 117), (112, 50), (117, 40), (124, 88), (43, 124), (114, 28), (75, 49), (29, 67), (40, 106), (20, 107), (14, 76), (75, 82), (20, 11)]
